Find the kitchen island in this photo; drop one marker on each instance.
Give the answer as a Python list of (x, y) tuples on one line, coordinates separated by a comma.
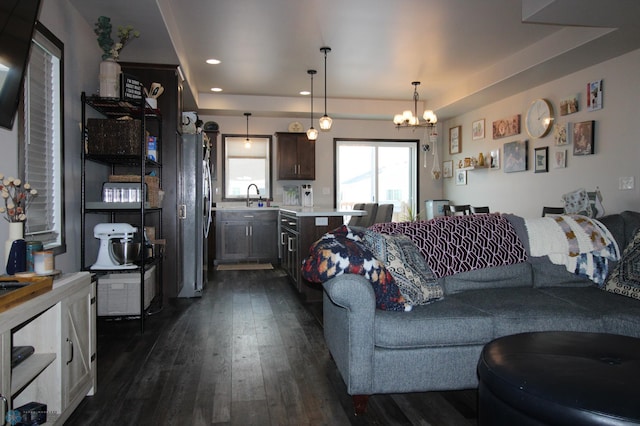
[(299, 228), (275, 234)]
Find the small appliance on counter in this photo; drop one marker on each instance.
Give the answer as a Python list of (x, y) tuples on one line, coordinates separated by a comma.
[(117, 248), (307, 195)]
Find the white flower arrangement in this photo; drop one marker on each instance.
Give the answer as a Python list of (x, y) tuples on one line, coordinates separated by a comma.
[(17, 198)]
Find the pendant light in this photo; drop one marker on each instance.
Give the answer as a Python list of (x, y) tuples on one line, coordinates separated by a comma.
[(325, 120), (312, 134), (247, 141)]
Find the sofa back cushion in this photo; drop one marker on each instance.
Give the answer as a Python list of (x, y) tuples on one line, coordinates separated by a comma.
[(457, 244), (516, 275)]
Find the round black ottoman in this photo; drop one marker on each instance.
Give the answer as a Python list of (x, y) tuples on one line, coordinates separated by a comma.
[(560, 378)]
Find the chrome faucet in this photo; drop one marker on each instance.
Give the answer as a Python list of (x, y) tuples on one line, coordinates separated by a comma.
[(249, 202)]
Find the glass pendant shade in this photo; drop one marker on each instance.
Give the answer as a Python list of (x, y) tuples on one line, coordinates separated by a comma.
[(325, 122), (312, 134)]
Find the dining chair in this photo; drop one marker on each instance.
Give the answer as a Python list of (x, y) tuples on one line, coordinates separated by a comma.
[(452, 209), (384, 214), (552, 210), (364, 221), (476, 210)]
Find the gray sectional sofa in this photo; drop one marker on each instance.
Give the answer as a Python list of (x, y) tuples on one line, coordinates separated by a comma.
[(436, 346)]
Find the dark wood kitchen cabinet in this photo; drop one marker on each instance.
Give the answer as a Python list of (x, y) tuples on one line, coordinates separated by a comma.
[(247, 236), (297, 234), (170, 107), (296, 157)]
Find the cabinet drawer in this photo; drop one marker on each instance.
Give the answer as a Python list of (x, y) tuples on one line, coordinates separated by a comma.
[(250, 215)]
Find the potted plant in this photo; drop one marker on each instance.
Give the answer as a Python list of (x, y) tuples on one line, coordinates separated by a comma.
[(109, 67)]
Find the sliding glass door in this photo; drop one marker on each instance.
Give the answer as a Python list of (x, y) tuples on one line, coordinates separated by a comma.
[(377, 171)]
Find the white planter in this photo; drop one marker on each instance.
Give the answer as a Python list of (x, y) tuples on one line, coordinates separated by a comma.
[(110, 78), (16, 232)]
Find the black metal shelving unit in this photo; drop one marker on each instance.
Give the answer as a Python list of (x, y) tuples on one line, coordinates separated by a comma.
[(119, 109)]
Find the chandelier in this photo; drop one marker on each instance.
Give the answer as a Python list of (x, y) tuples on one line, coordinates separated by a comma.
[(410, 118)]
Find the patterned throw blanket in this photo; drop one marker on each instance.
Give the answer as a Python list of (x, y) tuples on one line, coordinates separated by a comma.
[(461, 243), (583, 245)]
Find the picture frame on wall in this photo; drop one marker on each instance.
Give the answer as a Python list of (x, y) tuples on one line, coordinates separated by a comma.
[(494, 163), (560, 159), (594, 95), (570, 105), (455, 140), (461, 177), (477, 130), (562, 133), (583, 138), (515, 156), (447, 169), (505, 127), (541, 160)]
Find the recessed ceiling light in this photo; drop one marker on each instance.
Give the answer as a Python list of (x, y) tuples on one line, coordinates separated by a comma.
[(305, 93), (216, 89), (213, 61)]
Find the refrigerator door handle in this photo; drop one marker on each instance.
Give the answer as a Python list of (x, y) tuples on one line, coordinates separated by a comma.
[(208, 197)]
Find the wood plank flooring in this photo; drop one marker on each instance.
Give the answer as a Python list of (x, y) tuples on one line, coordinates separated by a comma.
[(247, 353)]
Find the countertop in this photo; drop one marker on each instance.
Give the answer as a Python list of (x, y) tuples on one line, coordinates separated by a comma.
[(297, 210)]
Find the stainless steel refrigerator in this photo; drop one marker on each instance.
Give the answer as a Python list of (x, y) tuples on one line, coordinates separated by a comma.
[(194, 213)]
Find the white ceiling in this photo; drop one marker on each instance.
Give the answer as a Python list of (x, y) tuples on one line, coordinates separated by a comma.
[(466, 53)]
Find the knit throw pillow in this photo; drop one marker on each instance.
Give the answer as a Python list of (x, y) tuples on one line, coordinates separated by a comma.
[(625, 278), (410, 271)]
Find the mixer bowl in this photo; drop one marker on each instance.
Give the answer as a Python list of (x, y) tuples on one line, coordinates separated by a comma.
[(125, 252)]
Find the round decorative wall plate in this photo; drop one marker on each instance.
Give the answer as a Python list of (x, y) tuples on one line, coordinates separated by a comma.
[(295, 126)]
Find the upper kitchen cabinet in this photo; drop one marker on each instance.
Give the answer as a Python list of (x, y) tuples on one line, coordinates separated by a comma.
[(296, 157)]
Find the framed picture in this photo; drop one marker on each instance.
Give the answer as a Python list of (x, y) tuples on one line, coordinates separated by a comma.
[(477, 130), (570, 105), (494, 163), (583, 143), (506, 127), (541, 160), (461, 177), (515, 156), (455, 140), (560, 159), (447, 169), (594, 95), (562, 133)]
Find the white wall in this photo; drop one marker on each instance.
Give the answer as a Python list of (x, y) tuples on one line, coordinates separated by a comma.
[(81, 60), (323, 186), (617, 147)]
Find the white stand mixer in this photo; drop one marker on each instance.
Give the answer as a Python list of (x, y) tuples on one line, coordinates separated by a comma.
[(107, 232)]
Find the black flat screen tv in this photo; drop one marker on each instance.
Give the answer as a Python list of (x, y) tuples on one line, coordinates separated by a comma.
[(17, 21)]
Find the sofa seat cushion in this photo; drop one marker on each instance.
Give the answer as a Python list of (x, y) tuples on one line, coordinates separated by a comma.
[(519, 310), (620, 315), (444, 323)]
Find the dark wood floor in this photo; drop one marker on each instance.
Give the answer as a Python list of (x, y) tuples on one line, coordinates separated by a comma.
[(247, 353)]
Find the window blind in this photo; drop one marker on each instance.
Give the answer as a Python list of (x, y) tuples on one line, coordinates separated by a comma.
[(42, 127)]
